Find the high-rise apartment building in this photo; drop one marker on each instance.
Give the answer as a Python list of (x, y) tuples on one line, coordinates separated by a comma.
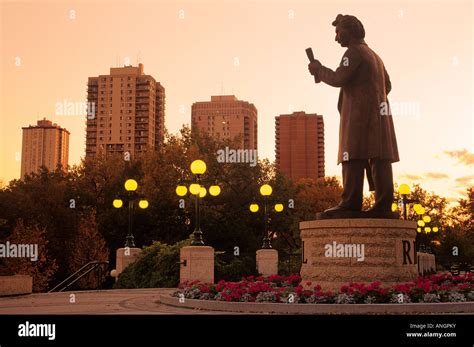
[(299, 145), (129, 112), (45, 144), (226, 117)]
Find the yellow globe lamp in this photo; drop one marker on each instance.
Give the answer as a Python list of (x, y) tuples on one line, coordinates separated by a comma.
[(404, 189), (117, 203), (198, 167), (131, 185), (421, 211), (214, 190), (419, 230), (278, 207), (427, 219), (143, 204), (435, 229), (266, 190), (181, 190), (254, 208), (394, 207), (202, 192), (427, 229), (420, 223), (417, 207), (195, 188)]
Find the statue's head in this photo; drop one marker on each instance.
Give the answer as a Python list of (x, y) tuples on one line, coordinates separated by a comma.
[(348, 29)]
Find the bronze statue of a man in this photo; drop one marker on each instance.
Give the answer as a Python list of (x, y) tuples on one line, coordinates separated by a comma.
[(366, 133)]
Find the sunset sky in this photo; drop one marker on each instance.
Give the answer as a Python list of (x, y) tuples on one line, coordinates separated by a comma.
[(254, 50)]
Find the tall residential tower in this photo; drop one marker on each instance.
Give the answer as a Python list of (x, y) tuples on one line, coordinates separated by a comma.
[(45, 144), (299, 145), (225, 117), (129, 112)]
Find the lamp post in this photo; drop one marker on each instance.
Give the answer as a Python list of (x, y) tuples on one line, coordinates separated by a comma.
[(266, 190), (420, 240), (423, 229), (198, 168), (130, 186), (404, 190)]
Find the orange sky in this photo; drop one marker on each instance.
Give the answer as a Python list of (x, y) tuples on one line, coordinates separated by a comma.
[(255, 50)]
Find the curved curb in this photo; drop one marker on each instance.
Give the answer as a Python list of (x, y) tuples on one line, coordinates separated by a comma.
[(323, 309)]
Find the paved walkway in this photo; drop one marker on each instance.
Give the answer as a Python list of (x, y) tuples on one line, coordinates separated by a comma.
[(118, 301)]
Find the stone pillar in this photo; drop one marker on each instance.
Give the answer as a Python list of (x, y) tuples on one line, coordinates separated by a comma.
[(339, 251), (426, 263), (267, 262), (196, 263), (125, 256)]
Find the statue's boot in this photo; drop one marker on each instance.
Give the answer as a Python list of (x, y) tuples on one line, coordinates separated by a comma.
[(339, 208), (377, 212), (340, 211)]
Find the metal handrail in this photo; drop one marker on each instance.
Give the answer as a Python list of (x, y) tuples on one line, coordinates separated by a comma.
[(94, 264)]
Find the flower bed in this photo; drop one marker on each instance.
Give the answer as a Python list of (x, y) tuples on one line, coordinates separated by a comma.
[(435, 288)]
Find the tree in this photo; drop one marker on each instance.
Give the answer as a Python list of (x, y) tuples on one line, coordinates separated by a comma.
[(44, 267), (87, 245), (456, 240)]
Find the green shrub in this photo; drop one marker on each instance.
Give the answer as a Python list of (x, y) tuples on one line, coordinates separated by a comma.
[(156, 267), (235, 269)]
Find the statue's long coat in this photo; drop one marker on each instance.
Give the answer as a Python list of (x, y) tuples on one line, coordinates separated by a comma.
[(366, 126)]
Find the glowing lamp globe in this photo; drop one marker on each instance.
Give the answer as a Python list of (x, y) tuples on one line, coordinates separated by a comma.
[(394, 207), (117, 203), (143, 204), (131, 185), (195, 189), (266, 190), (404, 189), (435, 229), (214, 190), (202, 192), (419, 230), (181, 190), (427, 219), (421, 223), (254, 208), (427, 229), (417, 207), (198, 167), (421, 211), (279, 207)]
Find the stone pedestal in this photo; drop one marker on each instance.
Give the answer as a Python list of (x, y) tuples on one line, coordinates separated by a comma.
[(267, 262), (197, 263), (125, 256), (339, 251)]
